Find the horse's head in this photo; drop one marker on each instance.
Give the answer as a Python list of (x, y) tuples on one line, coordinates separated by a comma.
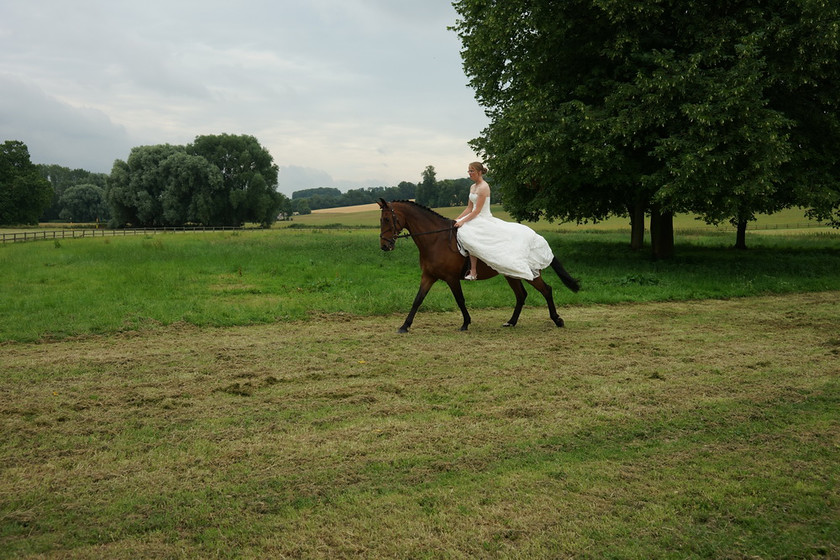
[(390, 226)]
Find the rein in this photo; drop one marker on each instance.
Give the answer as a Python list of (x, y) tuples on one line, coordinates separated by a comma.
[(404, 235)]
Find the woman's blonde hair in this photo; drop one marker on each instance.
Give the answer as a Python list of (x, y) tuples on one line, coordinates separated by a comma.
[(478, 166)]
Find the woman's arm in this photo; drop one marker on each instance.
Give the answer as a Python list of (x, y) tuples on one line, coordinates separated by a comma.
[(479, 203), (466, 211), (473, 210)]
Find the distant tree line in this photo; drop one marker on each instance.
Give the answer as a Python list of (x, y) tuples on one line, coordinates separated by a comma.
[(449, 192), (218, 180), (306, 200), (429, 192)]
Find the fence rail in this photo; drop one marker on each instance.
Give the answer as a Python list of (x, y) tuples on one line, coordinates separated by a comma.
[(24, 236)]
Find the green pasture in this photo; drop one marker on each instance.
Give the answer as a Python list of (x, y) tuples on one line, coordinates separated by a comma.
[(53, 289)]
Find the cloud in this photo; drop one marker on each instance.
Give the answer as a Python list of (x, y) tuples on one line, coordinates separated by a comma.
[(58, 133)]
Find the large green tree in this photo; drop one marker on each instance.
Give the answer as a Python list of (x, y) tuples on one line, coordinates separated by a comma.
[(249, 178), (163, 185), (607, 107), (218, 180), (24, 194), (136, 186), (192, 186)]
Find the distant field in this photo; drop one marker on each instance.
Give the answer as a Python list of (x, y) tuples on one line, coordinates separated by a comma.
[(348, 209), (368, 215)]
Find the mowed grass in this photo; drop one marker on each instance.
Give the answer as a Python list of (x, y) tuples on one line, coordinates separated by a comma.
[(50, 290), (700, 429)]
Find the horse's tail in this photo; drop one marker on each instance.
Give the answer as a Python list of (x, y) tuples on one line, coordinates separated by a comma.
[(565, 277)]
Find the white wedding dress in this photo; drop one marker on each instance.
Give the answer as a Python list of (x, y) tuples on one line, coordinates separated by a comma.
[(509, 248)]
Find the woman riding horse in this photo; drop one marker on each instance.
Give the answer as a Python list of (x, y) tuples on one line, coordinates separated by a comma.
[(440, 259)]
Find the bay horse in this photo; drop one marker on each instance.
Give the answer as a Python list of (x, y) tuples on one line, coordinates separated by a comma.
[(436, 239)]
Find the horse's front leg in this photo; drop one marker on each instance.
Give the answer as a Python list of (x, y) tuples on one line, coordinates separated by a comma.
[(521, 295), (426, 283), (455, 286)]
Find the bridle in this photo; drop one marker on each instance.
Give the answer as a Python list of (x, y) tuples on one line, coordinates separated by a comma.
[(397, 227)]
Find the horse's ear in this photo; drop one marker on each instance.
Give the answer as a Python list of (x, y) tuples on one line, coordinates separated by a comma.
[(382, 203)]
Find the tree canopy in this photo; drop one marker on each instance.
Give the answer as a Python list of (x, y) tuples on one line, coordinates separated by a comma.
[(249, 178), (217, 180), (606, 107), (83, 203), (24, 194), (62, 178)]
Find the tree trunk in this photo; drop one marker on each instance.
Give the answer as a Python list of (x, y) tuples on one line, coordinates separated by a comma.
[(741, 236), (662, 234), (637, 226)]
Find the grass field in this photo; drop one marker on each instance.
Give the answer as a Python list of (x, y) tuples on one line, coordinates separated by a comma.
[(244, 395)]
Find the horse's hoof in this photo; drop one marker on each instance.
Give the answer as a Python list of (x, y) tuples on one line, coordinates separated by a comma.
[(463, 328), (402, 330), (559, 322), (509, 325)]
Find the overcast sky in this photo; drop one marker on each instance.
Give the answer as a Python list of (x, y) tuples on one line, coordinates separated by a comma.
[(343, 93)]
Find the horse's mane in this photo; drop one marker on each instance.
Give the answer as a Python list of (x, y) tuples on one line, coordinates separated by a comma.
[(425, 208)]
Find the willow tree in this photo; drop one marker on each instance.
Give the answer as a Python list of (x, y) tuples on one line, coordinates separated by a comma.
[(219, 180), (607, 107), (249, 178)]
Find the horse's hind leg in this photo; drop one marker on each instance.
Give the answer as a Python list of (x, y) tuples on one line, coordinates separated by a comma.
[(546, 291), (520, 293)]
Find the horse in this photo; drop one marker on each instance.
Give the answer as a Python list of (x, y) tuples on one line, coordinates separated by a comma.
[(436, 239)]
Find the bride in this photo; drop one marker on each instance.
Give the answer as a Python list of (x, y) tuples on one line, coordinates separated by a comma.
[(509, 248)]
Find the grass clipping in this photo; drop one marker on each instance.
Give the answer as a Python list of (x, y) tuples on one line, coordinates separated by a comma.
[(692, 429)]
